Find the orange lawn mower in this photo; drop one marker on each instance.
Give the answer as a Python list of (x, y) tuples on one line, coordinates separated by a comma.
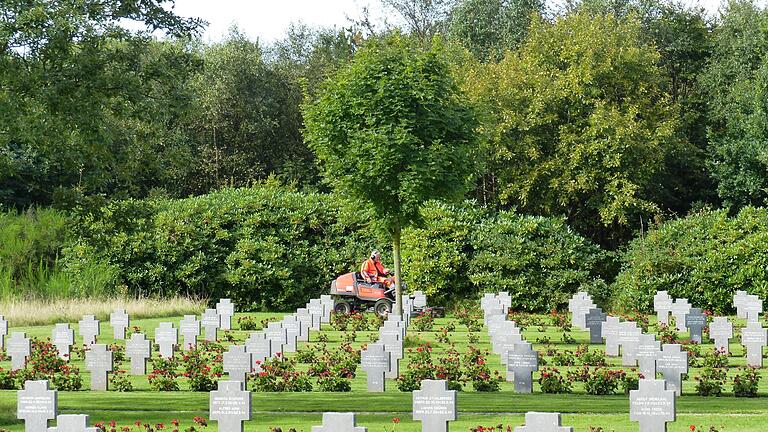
[(351, 293)]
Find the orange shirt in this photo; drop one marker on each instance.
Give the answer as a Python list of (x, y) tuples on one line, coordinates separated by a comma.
[(372, 269)]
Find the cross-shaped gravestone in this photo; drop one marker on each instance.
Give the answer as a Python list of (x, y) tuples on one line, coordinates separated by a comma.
[(610, 331), (226, 310), (211, 321), (522, 362), (394, 346), (628, 338), (167, 337), (278, 335), (72, 423), (393, 327), (293, 328), (305, 319), (594, 322), (754, 337), (315, 308), (3, 331), (574, 305), (753, 307), (662, 304), (230, 405), (420, 300), (310, 318), (119, 320), (507, 344), (543, 422), (63, 337), (672, 362), (652, 405), (680, 309), (237, 363), (434, 405), (504, 298), (375, 362), (138, 348), (260, 348), (581, 314), (696, 321), (189, 327), (327, 302), (648, 349), (721, 330), (98, 361), (738, 302), (36, 404), (339, 422), (19, 348), (493, 311), (89, 328)]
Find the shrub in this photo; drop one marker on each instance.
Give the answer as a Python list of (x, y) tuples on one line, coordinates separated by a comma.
[(118, 381), (247, 323), (423, 323), (603, 381), (710, 382), (552, 381), (278, 374), (163, 375), (202, 365), (44, 364), (329, 382), (7, 379), (745, 384), (479, 373)]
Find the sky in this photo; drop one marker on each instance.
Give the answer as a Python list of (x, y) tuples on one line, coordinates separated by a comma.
[(267, 20)]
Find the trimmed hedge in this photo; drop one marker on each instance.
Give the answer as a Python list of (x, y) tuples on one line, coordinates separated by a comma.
[(704, 257)]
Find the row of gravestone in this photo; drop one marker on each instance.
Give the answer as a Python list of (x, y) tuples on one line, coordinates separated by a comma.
[(381, 360)]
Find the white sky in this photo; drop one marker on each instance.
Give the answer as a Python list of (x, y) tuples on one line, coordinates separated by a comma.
[(268, 20)]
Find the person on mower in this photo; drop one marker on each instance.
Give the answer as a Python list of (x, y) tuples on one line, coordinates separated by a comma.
[(373, 271)]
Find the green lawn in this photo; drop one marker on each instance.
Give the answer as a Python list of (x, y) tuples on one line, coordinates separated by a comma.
[(302, 410)]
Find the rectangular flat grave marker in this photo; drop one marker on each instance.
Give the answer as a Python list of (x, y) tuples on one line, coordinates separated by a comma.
[(434, 405), (738, 301), (19, 348), (680, 309), (167, 337), (375, 362), (652, 405), (226, 311), (211, 321), (119, 320), (230, 406), (394, 347), (189, 327), (339, 422), (3, 331), (521, 363), (648, 350), (260, 348), (594, 322), (629, 337), (543, 422), (63, 337), (696, 321), (72, 423), (99, 362), (672, 363), (138, 348), (237, 363), (36, 405), (721, 330), (754, 337), (278, 335), (610, 331), (89, 328)]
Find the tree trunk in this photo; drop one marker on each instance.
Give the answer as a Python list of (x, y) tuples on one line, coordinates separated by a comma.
[(398, 285)]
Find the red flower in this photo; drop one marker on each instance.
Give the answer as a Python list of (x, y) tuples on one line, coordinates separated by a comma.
[(395, 420)]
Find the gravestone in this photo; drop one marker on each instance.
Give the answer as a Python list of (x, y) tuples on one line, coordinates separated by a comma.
[(610, 331), (662, 304), (327, 302), (293, 328), (211, 321), (753, 307), (394, 346), (628, 338), (521, 363), (138, 348), (316, 309), (594, 322), (434, 405), (339, 422), (72, 423), (504, 298), (305, 319), (375, 362), (167, 337), (189, 327), (36, 404), (672, 363), (393, 327), (680, 309), (754, 337), (507, 344), (89, 328), (721, 330), (420, 300), (543, 422), (63, 337), (98, 361), (652, 405), (260, 348), (3, 331), (19, 348), (119, 320), (696, 321), (277, 335), (226, 311), (237, 363), (738, 302), (575, 305), (648, 350), (230, 406)]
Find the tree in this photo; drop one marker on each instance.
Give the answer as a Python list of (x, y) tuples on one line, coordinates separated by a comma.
[(577, 124), (392, 130), (423, 18)]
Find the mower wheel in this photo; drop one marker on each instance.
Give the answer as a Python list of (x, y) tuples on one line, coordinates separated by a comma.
[(342, 307), (383, 307)]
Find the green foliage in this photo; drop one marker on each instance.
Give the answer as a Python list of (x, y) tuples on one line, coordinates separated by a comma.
[(705, 257)]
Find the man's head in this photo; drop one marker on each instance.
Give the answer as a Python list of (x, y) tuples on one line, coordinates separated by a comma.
[(375, 255)]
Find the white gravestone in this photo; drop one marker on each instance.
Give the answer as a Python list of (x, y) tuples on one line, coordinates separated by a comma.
[(680, 309), (672, 363), (721, 330), (226, 311), (754, 337), (119, 320), (648, 350), (3, 331), (292, 328), (237, 363), (260, 348), (72, 423), (316, 309), (230, 406), (211, 321), (662, 304), (394, 346), (543, 422), (738, 302), (19, 348), (98, 361), (278, 335), (138, 348), (167, 337), (89, 329), (305, 320), (36, 405), (521, 363), (375, 362), (508, 344), (327, 302), (610, 331), (434, 406), (629, 337), (189, 327), (339, 422), (63, 337), (652, 405), (753, 307)]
